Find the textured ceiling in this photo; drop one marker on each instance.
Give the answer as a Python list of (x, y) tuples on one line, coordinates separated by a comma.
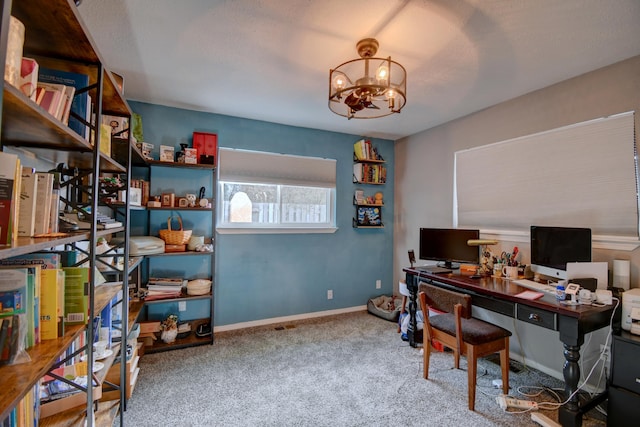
[(270, 59)]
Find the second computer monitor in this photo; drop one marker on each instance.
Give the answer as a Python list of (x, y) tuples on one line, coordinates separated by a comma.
[(449, 246)]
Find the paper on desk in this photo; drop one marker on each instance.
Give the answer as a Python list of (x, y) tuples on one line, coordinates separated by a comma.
[(530, 295)]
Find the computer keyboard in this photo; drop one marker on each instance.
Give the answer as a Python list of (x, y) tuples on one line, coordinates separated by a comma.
[(434, 269), (536, 286)]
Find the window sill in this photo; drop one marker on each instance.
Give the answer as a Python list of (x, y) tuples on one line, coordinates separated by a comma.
[(276, 230)]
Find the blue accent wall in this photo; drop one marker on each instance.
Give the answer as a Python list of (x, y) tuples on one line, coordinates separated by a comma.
[(263, 276)]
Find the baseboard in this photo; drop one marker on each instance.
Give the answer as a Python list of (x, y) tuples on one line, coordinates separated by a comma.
[(283, 319)]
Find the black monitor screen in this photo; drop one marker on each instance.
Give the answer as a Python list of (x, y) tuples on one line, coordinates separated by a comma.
[(554, 247), (448, 245)]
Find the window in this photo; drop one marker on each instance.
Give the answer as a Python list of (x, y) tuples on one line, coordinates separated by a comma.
[(267, 192), (582, 175)]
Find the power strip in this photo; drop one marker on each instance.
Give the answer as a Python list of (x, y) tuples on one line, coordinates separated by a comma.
[(509, 402)]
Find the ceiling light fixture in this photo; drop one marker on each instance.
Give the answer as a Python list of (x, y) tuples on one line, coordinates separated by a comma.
[(368, 87)]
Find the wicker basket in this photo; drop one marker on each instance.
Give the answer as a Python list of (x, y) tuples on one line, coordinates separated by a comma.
[(175, 237)]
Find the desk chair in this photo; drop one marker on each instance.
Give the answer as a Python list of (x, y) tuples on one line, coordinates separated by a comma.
[(466, 336)]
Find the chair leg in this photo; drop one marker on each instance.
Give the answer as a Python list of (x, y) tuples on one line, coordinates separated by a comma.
[(472, 364), (504, 365), (426, 352), (456, 358)]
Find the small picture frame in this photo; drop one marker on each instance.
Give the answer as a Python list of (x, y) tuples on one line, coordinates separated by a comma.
[(183, 202), (168, 199), (167, 153)]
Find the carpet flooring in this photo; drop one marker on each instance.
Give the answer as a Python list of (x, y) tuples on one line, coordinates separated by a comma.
[(346, 370)]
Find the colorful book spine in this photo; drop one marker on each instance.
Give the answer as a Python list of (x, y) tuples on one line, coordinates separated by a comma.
[(51, 288), (76, 294), (27, 214), (9, 178), (47, 260), (43, 206)]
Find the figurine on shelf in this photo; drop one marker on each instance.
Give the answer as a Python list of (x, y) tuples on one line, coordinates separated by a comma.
[(378, 198), (169, 328), (180, 155)]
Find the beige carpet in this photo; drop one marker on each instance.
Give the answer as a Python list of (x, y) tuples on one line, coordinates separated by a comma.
[(347, 370)]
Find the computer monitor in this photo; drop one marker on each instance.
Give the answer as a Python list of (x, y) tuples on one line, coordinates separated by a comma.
[(449, 246), (553, 247)]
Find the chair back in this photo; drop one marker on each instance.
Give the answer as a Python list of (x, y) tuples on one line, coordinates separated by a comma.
[(445, 300)]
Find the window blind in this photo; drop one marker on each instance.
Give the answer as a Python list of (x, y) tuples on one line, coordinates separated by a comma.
[(582, 175), (272, 168)]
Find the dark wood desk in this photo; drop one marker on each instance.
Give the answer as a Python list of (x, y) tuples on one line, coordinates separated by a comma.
[(499, 295)]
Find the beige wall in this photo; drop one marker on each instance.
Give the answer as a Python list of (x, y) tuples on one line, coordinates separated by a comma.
[(424, 161)]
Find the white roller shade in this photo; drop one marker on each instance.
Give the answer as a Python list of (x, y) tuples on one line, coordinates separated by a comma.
[(262, 167), (583, 175)]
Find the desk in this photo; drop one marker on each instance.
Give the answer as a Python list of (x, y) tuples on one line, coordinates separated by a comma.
[(499, 295)]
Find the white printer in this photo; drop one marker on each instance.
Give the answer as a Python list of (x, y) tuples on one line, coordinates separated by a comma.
[(143, 245), (631, 301)]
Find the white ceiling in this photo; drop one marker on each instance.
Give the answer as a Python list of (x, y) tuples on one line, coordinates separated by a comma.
[(270, 59)]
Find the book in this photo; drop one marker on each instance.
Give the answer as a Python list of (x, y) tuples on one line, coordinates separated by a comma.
[(76, 294), (53, 98), (69, 91), (55, 204), (27, 214), (47, 260), (81, 104), (51, 287), (357, 172), (29, 77), (359, 150), (105, 139), (9, 177), (33, 305), (43, 202)]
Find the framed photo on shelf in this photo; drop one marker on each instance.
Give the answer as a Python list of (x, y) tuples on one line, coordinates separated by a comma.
[(168, 199), (166, 153), (183, 202), (369, 216)]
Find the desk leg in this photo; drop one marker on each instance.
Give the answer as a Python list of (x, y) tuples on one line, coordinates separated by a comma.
[(413, 299), (570, 414)]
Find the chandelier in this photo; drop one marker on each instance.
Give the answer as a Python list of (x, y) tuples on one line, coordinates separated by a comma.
[(368, 87)]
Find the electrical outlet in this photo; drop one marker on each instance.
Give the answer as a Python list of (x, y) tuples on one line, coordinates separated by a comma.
[(330, 294), (378, 284), (182, 306)]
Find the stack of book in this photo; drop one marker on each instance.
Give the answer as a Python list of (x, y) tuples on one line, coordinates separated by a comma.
[(29, 203), (363, 150), (163, 288), (105, 222), (74, 102)]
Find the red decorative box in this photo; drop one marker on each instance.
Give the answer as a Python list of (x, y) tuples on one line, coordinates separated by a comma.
[(207, 146)]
